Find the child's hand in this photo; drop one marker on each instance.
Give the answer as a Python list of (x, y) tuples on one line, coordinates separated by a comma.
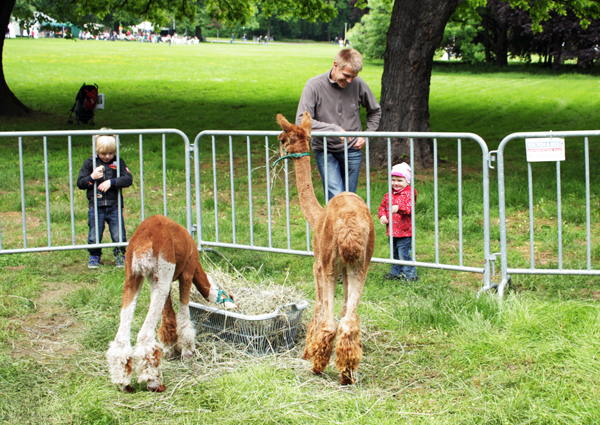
[(383, 220), (98, 172), (395, 209), (104, 186)]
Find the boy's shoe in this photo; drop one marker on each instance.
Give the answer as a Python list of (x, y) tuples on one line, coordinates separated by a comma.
[(390, 276), (120, 261), (94, 262)]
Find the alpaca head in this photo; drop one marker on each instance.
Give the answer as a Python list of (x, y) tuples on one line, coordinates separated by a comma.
[(294, 139)]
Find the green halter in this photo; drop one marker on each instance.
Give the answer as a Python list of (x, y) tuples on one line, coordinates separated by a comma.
[(291, 155)]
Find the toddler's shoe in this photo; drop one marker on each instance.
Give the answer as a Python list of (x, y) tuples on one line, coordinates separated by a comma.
[(412, 279), (94, 262), (120, 261), (390, 276)]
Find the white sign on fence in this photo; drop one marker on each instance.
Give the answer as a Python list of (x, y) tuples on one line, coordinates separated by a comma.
[(544, 150)]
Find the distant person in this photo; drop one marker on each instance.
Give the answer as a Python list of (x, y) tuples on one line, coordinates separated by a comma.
[(333, 100), (401, 232), (108, 185), (232, 37)]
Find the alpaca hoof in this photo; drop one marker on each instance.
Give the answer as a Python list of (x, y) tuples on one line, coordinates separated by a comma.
[(157, 389), (186, 354), (126, 389), (347, 379)]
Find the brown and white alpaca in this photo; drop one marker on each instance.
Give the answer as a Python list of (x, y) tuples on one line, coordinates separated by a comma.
[(163, 251), (343, 241)]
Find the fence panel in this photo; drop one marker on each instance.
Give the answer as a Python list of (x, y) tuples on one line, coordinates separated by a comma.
[(556, 238), (32, 221), (245, 203)]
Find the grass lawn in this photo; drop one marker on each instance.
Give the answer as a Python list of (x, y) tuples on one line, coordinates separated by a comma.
[(434, 353)]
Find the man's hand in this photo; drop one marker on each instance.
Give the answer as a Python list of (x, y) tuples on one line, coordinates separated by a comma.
[(360, 142)]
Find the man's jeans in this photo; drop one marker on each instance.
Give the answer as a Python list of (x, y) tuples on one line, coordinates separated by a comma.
[(402, 251), (108, 215), (336, 170)]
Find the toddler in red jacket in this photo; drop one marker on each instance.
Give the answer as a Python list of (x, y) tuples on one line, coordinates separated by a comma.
[(401, 222)]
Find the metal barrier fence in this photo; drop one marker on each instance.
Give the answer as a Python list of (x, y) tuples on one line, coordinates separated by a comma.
[(228, 216), (549, 250), (64, 210)]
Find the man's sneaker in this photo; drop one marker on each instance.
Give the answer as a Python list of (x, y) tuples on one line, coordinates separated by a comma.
[(120, 261), (94, 262), (390, 276)]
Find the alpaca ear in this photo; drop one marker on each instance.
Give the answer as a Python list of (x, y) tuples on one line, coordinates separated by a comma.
[(306, 123), (285, 124)]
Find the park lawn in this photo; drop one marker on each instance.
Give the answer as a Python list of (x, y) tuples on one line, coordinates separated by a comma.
[(434, 353)]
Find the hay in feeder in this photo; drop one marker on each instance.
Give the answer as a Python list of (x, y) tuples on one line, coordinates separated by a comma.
[(251, 298)]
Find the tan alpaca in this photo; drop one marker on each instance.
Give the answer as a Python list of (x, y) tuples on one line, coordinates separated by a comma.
[(163, 251), (343, 241)]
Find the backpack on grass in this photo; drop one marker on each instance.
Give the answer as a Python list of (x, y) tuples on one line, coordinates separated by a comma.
[(85, 102)]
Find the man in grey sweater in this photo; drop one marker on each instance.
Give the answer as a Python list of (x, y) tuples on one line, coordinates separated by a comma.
[(333, 100)]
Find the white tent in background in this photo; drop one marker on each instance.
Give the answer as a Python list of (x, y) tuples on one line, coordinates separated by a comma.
[(144, 26)]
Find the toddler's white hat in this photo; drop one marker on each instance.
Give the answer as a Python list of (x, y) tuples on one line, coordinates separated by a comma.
[(402, 170)]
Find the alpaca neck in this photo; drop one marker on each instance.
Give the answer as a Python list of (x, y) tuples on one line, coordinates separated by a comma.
[(308, 202)]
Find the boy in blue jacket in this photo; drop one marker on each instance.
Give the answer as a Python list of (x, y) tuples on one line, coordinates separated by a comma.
[(108, 183)]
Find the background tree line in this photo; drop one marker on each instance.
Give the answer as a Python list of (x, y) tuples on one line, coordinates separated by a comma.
[(494, 32)]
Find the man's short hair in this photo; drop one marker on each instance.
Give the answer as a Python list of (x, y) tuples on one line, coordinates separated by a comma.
[(350, 57), (106, 143)]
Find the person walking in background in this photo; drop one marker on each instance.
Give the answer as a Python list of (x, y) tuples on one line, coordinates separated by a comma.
[(333, 100), (401, 222), (104, 177)]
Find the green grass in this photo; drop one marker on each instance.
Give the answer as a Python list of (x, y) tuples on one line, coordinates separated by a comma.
[(434, 353)]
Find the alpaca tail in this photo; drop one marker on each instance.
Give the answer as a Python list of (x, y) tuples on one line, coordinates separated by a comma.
[(144, 261), (352, 240)]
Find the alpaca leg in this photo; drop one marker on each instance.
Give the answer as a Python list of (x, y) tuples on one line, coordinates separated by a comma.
[(167, 333), (120, 354), (348, 351), (186, 332), (349, 344), (315, 322), (325, 333), (147, 350)]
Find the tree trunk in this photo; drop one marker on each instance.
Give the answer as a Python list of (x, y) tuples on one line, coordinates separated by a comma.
[(501, 34), (9, 104), (416, 31), (199, 33), (502, 45)]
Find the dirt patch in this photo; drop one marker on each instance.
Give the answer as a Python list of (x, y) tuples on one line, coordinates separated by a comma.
[(51, 330)]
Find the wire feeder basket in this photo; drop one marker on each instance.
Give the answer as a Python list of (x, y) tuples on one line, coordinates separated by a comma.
[(260, 334)]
